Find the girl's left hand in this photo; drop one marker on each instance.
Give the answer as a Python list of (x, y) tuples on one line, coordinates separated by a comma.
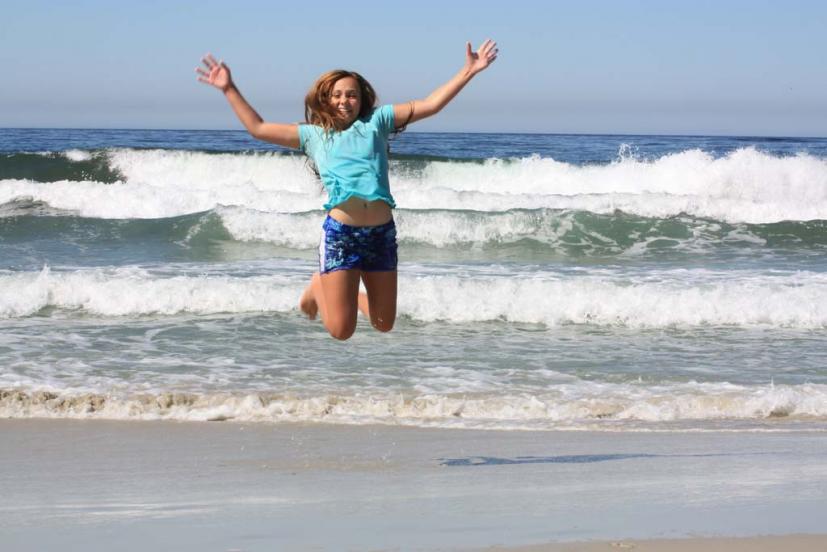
[(482, 58)]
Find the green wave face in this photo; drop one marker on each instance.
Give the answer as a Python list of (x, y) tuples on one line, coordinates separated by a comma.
[(195, 228), (592, 233), (29, 241), (54, 167), (95, 166), (517, 235)]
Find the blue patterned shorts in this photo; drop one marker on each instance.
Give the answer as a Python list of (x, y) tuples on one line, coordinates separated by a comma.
[(367, 248)]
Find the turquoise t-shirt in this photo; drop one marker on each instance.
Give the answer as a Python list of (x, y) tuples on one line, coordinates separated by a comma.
[(353, 162)]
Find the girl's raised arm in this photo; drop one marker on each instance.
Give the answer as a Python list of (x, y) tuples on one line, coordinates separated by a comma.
[(218, 75), (416, 110)]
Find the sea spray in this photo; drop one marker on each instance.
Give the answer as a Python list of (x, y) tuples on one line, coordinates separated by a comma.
[(668, 299), (746, 185), (546, 282)]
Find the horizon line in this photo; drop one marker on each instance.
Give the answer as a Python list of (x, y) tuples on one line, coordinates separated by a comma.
[(538, 133)]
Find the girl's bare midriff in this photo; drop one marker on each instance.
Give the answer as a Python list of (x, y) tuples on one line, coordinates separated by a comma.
[(360, 212)]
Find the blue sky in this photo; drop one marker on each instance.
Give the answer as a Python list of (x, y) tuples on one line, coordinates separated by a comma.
[(652, 67)]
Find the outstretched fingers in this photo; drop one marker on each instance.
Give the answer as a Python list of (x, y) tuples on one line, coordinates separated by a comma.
[(213, 72), (204, 75), (210, 63), (488, 50), (483, 57)]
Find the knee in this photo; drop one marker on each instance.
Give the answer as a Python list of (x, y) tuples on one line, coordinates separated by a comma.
[(342, 332), (383, 324)]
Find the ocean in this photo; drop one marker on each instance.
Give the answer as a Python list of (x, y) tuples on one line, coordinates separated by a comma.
[(547, 282)]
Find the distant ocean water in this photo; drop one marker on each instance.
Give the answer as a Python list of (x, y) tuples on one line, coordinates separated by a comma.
[(546, 282)]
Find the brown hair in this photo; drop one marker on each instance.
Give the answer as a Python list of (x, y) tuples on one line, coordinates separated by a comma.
[(317, 108)]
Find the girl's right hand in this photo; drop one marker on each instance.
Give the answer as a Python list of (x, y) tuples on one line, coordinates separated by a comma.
[(482, 58), (217, 74)]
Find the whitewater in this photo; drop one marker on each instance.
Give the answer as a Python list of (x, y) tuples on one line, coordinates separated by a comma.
[(746, 185), (546, 282)]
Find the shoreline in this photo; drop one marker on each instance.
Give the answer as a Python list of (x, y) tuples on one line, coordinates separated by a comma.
[(194, 486), (765, 543)]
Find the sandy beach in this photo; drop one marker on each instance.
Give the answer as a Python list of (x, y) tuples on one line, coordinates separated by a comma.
[(788, 543), (101, 485), (591, 237)]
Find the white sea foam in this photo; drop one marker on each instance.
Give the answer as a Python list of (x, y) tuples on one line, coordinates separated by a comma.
[(77, 155), (565, 406), (125, 200), (679, 298), (439, 228), (129, 291), (758, 301), (207, 171), (474, 229), (744, 186), (300, 231)]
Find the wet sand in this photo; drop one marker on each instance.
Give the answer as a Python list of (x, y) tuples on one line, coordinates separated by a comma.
[(102, 485), (786, 543)]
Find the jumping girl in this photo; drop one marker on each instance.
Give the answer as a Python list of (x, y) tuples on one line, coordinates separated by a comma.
[(346, 136)]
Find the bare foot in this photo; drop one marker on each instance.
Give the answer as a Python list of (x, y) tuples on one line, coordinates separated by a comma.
[(308, 304)]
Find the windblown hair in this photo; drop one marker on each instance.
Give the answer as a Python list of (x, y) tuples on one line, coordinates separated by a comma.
[(317, 108)]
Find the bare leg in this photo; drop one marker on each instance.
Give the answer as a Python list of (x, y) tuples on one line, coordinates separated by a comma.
[(364, 305), (307, 302), (337, 296), (318, 294), (380, 301)]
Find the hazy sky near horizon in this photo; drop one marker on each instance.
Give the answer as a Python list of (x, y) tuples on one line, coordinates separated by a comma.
[(594, 66)]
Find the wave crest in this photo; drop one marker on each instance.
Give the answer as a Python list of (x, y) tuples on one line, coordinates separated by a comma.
[(573, 406), (680, 298), (744, 186)]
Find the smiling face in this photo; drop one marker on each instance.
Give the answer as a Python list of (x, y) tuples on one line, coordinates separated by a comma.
[(337, 99), (346, 99)]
